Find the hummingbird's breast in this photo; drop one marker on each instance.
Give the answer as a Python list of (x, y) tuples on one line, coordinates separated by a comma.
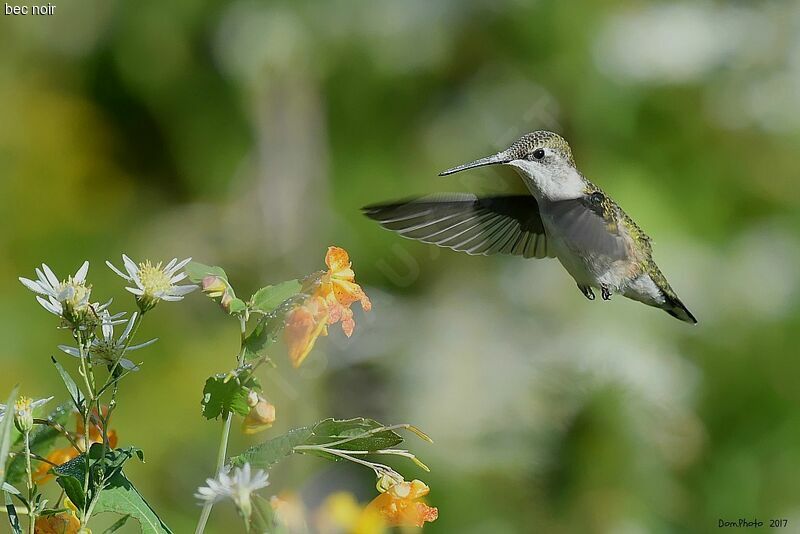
[(590, 246)]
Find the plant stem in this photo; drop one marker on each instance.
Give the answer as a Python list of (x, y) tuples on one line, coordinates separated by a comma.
[(223, 442), (29, 472)]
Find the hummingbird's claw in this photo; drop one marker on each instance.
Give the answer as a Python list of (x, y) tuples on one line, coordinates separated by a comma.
[(606, 293), (587, 291)]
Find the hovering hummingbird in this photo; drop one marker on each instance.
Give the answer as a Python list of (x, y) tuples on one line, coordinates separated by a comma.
[(566, 216)]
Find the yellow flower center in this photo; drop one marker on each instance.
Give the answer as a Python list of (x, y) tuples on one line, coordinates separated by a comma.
[(22, 405), (153, 278), (80, 293)]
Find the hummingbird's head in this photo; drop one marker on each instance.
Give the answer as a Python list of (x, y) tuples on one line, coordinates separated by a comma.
[(544, 160)]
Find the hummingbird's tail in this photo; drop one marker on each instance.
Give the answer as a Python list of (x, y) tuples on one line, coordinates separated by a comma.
[(675, 308)]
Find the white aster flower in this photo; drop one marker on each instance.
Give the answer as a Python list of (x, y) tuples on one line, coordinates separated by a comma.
[(236, 487), (69, 299), (154, 282), (107, 350)]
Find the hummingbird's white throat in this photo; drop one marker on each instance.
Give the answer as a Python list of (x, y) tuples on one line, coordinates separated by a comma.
[(551, 179)]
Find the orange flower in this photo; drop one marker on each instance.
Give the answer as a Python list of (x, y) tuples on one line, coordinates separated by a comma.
[(63, 523), (329, 303), (304, 325), (65, 454), (401, 505)]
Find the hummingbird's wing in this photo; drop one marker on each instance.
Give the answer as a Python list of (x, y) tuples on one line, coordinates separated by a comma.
[(461, 221)]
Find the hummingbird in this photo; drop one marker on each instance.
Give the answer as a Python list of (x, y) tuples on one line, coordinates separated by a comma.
[(565, 216)]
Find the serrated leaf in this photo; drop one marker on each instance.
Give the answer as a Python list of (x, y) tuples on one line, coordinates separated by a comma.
[(267, 454), (351, 434), (224, 393), (42, 438), (5, 432), (121, 497), (75, 392), (346, 430), (196, 271), (268, 298)]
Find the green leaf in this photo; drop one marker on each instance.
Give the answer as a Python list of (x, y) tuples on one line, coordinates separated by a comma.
[(263, 335), (121, 497), (224, 393), (348, 434), (13, 518), (236, 306), (196, 271), (75, 392), (73, 488), (42, 438), (118, 524), (5, 433), (268, 298), (267, 454), (71, 475), (372, 438)]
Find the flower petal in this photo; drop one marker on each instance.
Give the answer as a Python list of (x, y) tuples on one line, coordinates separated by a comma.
[(80, 275)]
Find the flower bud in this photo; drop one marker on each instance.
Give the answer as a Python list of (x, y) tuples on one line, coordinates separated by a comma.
[(23, 415), (214, 286), (261, 416)]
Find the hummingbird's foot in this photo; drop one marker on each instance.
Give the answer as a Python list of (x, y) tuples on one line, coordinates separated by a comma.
[(606, 293), (587, 291)]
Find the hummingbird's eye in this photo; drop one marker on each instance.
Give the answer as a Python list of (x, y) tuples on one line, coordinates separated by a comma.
[(536, 154)]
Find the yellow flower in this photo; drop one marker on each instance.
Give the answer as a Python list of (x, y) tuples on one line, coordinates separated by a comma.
[(341, 513), (261, 416), (402, 505), (329, 301)]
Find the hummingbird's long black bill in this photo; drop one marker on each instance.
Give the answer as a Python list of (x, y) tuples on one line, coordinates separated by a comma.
[(498, 159)]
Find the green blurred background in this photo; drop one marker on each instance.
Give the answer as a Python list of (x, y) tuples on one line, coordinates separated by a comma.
[(248, 134)]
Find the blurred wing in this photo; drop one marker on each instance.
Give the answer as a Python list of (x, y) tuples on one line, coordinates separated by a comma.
[(464, 222)]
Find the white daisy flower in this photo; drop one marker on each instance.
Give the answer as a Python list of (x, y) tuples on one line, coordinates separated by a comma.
[(236, 487), (34, 404), (154, 282), (107, 350), (69, 299)]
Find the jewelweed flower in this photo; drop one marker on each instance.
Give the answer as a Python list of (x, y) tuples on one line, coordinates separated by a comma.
[(154, 283), (236, 486), (401, 505), (63, 523), (69, 299), (338, 287), (261, 415), (304, 324), (329, 301), (107, 350)]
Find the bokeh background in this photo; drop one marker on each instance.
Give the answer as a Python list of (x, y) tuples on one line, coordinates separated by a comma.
[(248, 134)]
